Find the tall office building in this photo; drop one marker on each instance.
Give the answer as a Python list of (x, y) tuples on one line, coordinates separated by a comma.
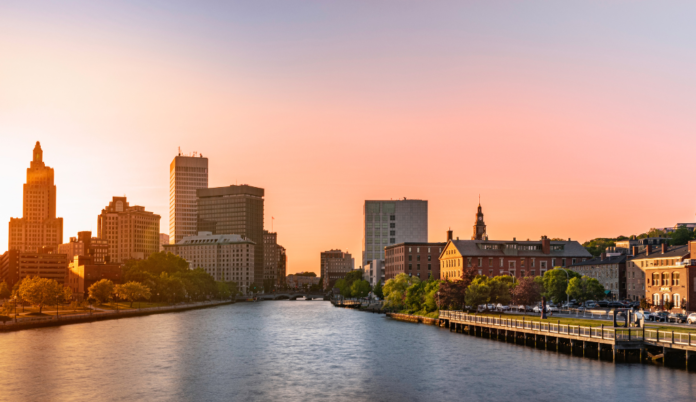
[(38, 227), (132, 232), (235, 210), (392, 222), (186, 175), (271, 256), (282, 267), (86, 246)]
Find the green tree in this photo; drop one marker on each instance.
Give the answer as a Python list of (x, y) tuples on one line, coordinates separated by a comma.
[(67, 294), (478, 292), (39, 291), (378, 290), (5, 291), (414, 296), (223, 290), (555, 283), (681, 236), (101, 291), (500, 288), (343, 287), (360, 288), (430, 301), (395, 290), (155, 264), (585, 288), (133, 291)]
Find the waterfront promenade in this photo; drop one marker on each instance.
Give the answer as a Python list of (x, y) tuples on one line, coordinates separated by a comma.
[(98, 315)]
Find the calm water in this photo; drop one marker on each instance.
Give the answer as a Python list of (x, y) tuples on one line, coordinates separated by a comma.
[(304, 351)]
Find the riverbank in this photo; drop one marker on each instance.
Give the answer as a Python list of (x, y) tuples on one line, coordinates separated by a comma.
[(104, 315), (414, 318)]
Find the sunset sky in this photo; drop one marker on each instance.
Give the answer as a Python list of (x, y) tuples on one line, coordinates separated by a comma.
[(571, 119)]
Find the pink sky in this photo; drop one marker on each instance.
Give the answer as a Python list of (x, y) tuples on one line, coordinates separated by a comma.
[(573, 121)]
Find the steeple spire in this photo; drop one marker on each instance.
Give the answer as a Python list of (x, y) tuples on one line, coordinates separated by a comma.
[(38, 152)]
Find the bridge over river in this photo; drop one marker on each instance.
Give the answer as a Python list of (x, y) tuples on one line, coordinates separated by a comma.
[(285, 296)]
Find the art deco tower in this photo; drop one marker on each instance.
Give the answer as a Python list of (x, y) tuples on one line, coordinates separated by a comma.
[(38, 226)]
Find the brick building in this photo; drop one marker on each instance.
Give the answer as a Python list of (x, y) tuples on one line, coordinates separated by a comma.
[(131, 231), (669, 275), (86, 245), (16, 265), (335, 264), (609, 271), (415, 259), (83, 272), (508, 257)]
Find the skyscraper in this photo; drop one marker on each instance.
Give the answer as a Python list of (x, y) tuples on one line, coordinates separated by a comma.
[(38, 227), (186, 175), (271, 257), (235, 210), (392, 222), (132, 232)]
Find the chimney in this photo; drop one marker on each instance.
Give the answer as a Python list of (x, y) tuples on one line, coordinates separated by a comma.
[(634, 250), (545, 245), (664, 248), (449, 235), (648, 249)]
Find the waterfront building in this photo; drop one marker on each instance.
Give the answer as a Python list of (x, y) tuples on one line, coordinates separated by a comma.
[(38, 227), (301, 281), (373, 272), (392, 222), (16, 265), (271, 259), (669, 275), (609, 271), (163, 239), (186, 175), (235, 210), (508, 257), (84, 271), (335, 264), (228, 258), (415, 259), (131, 231), (85, 245)]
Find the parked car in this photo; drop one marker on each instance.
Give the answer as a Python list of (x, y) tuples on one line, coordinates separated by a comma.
[(500, 307), (521, 307), (660, 316), (615, 304), (490, 306), (603, 303), (677, 318), (691, 318)]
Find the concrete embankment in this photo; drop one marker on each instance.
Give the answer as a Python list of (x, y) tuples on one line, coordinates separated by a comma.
[(100, 316)]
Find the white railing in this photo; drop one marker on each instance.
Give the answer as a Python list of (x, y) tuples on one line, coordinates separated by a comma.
[(618, 334)]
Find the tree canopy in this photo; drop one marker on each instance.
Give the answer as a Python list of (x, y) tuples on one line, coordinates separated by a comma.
[(555, 283), (39, 291), (527, 291), (101, 291), (585, 288)]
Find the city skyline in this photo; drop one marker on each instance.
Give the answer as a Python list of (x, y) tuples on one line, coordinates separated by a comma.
[(559, 127)]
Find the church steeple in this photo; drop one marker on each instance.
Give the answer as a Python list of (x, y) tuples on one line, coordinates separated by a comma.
[(479, 225)]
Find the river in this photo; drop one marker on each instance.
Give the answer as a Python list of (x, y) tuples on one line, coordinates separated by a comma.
[(304, 351)]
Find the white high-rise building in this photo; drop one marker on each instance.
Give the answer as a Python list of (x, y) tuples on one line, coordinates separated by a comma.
[(392, 222), (186, 175)]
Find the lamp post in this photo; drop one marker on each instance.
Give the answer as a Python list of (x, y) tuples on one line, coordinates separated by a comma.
[(158, 300), (438, 300), (15, 317), (57, 314)]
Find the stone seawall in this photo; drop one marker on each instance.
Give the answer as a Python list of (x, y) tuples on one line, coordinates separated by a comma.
[(52, 322), (414, 318)]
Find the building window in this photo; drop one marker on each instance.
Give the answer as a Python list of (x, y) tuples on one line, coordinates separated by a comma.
[(468, 262), (522, 272), (429, 268), (573, 261), (511, 264), (522, 262), (392, 240), (490, 261), (533, 272), (480, 262), (675, 280), (553, 262), (532, 262), (665, 279), (543, 265), (501, 263), (655, 279), (392, 217), (410, 266), (418, 257), (410, 257), (429, 257), (677, 300)]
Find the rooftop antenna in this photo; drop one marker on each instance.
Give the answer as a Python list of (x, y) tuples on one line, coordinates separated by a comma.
[(179, 151)]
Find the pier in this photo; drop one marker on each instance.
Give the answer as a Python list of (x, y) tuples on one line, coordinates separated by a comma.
[(604, 343)]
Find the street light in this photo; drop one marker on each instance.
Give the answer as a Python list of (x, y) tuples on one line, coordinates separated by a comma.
[(15, 299), (438, 300)]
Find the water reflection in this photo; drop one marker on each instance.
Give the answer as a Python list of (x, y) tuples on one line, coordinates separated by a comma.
[(297, 351)]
